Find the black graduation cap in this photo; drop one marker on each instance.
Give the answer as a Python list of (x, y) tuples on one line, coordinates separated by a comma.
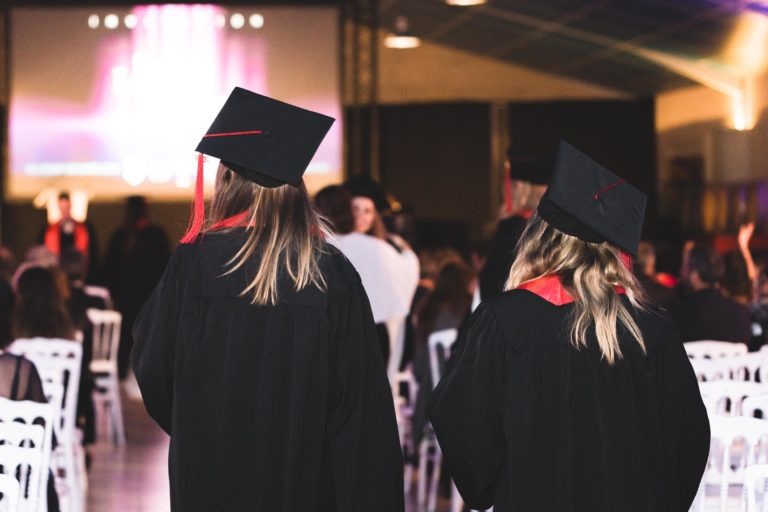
[(363, 186), (263, 139), (533, 169), (588, 201)]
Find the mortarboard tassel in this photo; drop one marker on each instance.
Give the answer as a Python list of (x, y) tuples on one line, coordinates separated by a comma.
[(198, 206)]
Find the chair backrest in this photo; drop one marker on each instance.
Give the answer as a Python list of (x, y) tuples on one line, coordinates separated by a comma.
[(35, 415), (718, 393), (748, 366), (26, 466), (58, 363), (752, 475), (707, 370), (106, 333), (9, 487), (753, 404), (100, 292), (440, 344), (714, 349)]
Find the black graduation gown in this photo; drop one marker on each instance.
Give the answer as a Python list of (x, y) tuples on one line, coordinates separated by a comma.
[(530, 424), (283, 408)]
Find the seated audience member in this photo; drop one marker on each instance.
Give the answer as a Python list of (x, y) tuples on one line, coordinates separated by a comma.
[(41, 308), (446, 307), (19, 380), (645, 271), (705, 313)]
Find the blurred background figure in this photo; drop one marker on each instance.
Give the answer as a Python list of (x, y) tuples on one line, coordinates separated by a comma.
[(67, 233), (656, 289), (136, 256), (41, 307), (525, 181), (705, 313), (390, 278)]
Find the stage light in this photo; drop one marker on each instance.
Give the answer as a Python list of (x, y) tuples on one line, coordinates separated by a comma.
[(256, 20), (465, 3), (130, 21), (111, 21), (93, 21), (220, 21), (237, 21)]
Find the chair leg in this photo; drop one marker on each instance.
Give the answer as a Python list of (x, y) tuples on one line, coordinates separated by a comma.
[(421, 492), (456, 502), (433, 488), (116, 414)]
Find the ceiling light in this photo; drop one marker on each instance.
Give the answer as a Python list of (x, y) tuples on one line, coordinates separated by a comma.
[(111, 21), (256, 20), (237, 20), (130, 21), (93, 21), (465, 3), (401, 39)]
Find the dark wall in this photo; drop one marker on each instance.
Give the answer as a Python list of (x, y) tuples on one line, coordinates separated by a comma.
[(619, 134), (436, 158)]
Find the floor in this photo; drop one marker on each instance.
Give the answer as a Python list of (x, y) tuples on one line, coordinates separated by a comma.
[(134, 478)]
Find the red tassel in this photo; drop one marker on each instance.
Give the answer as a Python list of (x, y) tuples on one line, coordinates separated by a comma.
[(508, 191), (626, 259), (198, 207)]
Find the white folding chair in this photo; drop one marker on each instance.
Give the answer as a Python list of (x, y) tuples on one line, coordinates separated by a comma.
[(713, 349), (718, 394), (27, 425), (747, 367), (106, 340), (707, 370), (10, 489), (58, 362), (99, 292), (752, 475), (753, 404), (727, 458), (439, 344)]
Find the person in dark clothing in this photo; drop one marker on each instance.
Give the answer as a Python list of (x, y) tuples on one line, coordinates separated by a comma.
[(136, 257), (645, 271), (257, 351), (567, 392), (525, 181), (705, 313)]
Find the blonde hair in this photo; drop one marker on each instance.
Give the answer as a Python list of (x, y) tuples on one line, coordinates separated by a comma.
[(284, 231), (589, 272), (525, 195)]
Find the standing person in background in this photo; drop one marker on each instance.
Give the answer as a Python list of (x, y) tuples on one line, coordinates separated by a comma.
[(645, 271), (705, 313), (136, 257), (385, 273), (525, 181), (257, 350), (67, 233), (567, 392)]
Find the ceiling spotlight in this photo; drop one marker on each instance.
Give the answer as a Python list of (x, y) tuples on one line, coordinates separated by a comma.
[(465, 3), (219, 21), (401, 39), (237, 20), (130, 21), (256, 20), (93, 21), (111, 21)]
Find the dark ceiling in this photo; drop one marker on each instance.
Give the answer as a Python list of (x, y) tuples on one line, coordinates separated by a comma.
[(598, 41)]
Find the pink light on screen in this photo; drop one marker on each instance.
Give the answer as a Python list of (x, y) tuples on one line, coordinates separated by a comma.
[(145, 116)]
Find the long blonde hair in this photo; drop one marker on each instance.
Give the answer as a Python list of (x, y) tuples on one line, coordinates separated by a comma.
[(284, 231), (589, 272)]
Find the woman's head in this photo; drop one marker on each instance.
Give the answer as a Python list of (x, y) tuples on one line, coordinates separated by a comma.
[(590, 272), (364, 211), (283, 230), (452, 295), (335, 203), (41, 308)]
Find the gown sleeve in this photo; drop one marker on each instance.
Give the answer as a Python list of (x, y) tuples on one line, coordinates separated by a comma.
[(154, 334), (362, 432), (684, 423), (466, 410)]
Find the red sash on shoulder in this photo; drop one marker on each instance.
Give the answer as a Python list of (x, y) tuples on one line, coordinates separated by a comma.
[(552, 290)]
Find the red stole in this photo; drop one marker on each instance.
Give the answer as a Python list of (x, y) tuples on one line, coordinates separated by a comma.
[(552, 290), (53, 238)]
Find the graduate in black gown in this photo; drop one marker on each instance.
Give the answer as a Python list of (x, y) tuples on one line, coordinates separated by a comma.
[(257, 351), (525, 181), (566, 393)]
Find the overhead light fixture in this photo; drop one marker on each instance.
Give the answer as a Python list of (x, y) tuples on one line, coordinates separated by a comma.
[(401, 39), (465, 3)]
